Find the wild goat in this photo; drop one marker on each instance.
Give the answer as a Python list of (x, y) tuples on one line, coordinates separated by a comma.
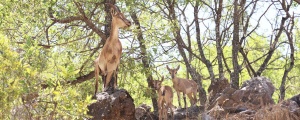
[(187, 87), (165, 98), (109, 58)]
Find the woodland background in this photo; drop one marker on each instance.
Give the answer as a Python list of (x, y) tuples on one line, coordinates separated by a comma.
[(47, 49)]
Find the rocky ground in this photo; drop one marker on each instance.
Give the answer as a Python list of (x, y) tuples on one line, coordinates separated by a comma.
[(253, 101)]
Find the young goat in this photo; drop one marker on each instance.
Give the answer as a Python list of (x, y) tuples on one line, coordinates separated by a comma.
[(187, 87), (165, 96), (109, 58)]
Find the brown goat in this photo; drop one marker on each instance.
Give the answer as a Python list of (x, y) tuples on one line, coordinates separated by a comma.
[(187, 87), (109, 58), (165, 98)]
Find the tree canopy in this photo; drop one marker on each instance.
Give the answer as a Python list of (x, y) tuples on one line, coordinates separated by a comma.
[(48, 49)]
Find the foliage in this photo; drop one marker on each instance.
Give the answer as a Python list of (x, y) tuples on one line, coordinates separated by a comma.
[(21, 80), (40, 57)]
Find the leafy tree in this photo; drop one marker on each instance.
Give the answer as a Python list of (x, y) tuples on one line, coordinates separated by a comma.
[(48, 48)]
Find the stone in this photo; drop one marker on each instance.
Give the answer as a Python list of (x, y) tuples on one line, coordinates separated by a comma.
[(296, 98), (253, 94), (142, 110), (117, 105), (217, 86), (258, 90)]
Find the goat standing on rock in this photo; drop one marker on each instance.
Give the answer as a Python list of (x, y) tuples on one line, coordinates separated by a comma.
[(185, 86), (109, 58), (165, 96)]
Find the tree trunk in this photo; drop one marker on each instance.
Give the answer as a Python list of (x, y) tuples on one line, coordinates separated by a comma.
[(245, 26), (218, 38), (194, 74), (234, 76), (145, 59), (272, 48), (200, 47), (108, 17), (289, 35)]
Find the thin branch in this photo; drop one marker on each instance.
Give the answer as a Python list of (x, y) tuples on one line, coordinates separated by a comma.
[(47, 34)]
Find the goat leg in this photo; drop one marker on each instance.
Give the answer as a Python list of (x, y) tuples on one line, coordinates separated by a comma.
[(195, 98), (191, 99), (112, 82), (116, 75), (178, 95), (115, 80), (184, 98), (170, 106), (160, 108), (107, 80), (104, 82), (165, 112)]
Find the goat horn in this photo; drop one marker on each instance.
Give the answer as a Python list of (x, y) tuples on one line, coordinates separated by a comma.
[(113, 6), (168, 67), (178, 67)]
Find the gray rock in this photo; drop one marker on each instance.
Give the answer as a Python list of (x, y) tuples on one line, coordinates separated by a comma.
[(116, 105)]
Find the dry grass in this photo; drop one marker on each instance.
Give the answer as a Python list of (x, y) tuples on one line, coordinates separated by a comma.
[(275, 112), (270, 112)]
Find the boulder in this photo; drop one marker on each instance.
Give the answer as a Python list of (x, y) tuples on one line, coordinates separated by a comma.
[(293, 105), (143, 111), (217, 86), (190, 113), (150, 116), (258, 90), (253, 101), (285, 110), (117, 105), (296, 98), (253, 95)]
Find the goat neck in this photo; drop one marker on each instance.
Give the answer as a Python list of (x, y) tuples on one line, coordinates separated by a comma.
[(175, 80), (114, 32)]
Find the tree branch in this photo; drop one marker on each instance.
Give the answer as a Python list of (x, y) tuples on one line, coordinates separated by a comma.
[(90, 23), (82, 78), (272, 47), (297, 1), (78, 80)]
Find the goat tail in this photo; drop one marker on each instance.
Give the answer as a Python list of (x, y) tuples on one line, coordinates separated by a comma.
[(97, 70), (163, 92)]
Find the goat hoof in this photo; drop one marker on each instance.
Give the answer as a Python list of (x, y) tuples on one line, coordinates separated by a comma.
[(116, 87), (105, 89)]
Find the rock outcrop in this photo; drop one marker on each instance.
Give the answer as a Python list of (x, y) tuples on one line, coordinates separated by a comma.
[(118, 105), (285, 110), (253, 95), (190, 113), (253, 101), (216, 87), (143, 113)]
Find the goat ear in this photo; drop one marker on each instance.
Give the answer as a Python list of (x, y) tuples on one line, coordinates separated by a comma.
[(152, 82), (151, 79), (177, 68), (113, 10), (162, 79)]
